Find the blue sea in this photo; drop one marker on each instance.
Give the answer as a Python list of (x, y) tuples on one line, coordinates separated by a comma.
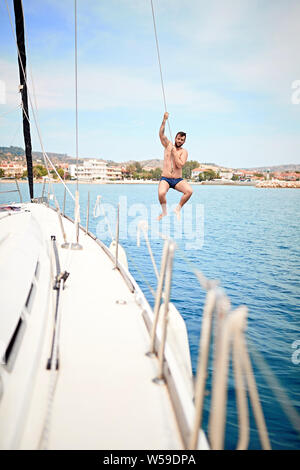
[(248, 238)]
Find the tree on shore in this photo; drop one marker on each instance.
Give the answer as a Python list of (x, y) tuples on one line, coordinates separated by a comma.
[(134, 167), (208, 175), (138, 167), (135, 170), (60, 171), (38, 172), (188, 167), (131, 169), (156, 174)]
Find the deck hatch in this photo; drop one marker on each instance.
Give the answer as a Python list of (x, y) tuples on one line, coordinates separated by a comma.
[(29, 300), (11, 351)]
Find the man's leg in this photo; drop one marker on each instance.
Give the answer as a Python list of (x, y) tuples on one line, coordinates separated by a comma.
[(163, 188), (186, 189)]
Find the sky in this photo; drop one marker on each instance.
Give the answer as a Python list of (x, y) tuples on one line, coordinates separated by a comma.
[(229, 68)]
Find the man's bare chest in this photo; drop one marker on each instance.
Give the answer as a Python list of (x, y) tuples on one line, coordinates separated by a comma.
[(176, 153)]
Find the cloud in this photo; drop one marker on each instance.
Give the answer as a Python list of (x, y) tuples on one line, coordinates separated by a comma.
[(247, 150), (228, 67), (107, 88), (249, 45), (9, 75)]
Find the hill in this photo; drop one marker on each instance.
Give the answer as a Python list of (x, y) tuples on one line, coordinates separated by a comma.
[(153, 163), (279, 168), (6, 153)]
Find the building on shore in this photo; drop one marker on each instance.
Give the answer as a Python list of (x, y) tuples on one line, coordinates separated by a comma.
[(90, 170), (12, 169), (225, 174), (114, 173), (197, 171), (95, 170), (286, 175)]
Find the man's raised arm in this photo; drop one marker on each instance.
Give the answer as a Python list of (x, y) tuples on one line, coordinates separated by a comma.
[(164, 140), (179, 160)]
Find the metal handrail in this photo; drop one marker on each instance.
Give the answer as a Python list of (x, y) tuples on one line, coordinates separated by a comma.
[(202, 365), (64, 204), (14, 190), (168, 281), (21, 200), (117, 235), (87, 214), (229, 336), (158, 296)]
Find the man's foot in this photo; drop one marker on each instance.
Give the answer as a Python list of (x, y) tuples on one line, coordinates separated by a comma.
[(177, 212), (163, 214)]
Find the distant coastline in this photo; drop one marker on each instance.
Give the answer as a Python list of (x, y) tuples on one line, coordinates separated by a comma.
[(217, 183), (260, 184)]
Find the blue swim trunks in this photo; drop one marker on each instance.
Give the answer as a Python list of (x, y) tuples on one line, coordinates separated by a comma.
[(171, 181)]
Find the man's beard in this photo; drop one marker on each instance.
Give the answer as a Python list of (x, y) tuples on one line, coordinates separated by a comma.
[(178, 146)]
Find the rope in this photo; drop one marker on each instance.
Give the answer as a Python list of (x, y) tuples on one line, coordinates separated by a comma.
[(240, 350), (254, 397), (54, 374), (23, 109), (53, 378), (277, 389), (203, 354), (160, 68), (241, 396)]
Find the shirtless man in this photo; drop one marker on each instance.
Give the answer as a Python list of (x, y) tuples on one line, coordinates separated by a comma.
[(174, 158)]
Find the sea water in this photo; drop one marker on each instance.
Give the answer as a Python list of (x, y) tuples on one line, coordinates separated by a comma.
[(250, 242)]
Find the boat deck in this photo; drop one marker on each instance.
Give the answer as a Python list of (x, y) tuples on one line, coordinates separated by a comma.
[(105, 385), (105, 397)]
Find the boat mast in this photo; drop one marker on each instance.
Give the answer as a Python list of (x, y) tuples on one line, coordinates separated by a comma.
[(19, 20)]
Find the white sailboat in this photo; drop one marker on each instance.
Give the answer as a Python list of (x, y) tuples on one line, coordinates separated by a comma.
[(74, 332), (93, 325), (86, 363)]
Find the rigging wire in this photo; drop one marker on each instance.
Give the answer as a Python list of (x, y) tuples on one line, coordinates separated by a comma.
[(23, 109), (34, 94), (76, 91), (160, 67), (32, 107), (15, 133), (11, 111), (45, 157)]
